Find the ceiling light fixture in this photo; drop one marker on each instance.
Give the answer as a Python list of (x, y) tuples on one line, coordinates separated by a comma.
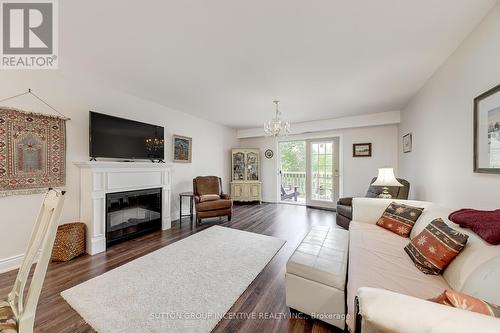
[(277, 126)]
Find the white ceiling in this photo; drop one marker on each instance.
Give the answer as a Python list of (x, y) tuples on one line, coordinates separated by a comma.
[(226, 60)]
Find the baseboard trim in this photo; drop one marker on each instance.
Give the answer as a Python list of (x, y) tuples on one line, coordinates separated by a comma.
[(11, 263)]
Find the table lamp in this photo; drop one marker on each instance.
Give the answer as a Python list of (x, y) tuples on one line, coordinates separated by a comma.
[(385, 179)]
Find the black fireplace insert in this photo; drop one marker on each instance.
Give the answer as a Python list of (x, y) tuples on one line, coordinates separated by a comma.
[(132, 213)]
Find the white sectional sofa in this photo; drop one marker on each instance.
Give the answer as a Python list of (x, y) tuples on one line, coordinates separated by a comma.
[(391, 292)]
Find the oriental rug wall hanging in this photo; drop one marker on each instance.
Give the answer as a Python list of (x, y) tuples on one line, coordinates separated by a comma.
[(32, 152)]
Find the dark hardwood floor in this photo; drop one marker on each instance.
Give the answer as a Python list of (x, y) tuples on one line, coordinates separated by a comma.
[(264, 298)]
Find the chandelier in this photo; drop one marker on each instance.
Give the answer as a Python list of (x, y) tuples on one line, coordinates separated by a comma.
[(154, 144), (277, 126)]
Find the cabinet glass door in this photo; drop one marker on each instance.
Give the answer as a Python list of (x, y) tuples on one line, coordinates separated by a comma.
[(252, 166), (239, 166)]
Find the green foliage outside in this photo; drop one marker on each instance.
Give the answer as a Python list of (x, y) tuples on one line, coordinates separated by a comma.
[(293, 156)]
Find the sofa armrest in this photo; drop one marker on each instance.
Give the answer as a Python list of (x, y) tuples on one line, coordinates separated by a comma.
[(345, 201), (225, 196), (386, 311), (369, 210)]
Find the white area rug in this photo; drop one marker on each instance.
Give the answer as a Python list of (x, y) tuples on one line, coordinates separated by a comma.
[(187, 286)]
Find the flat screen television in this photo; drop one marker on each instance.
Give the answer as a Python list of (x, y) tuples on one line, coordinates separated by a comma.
[(113, 137)]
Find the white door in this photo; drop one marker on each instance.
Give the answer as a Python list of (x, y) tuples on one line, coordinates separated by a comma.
[(322, 172)]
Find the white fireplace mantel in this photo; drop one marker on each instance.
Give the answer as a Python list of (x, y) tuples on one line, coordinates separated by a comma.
[(100, 178)]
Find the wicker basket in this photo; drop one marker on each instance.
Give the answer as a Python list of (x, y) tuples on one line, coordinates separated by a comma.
[(70, 242)]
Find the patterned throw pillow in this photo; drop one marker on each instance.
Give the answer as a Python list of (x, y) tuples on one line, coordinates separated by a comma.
[(435, 247), (399, 218), (466, 302)]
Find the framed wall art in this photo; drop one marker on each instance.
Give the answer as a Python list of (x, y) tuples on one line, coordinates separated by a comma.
[(361, 150), (182, 148), (407, 143), (487, 131)]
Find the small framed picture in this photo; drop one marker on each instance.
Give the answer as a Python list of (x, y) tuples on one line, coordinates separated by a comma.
[(361, 150), (487, 131), (181, 148), (407, 143)]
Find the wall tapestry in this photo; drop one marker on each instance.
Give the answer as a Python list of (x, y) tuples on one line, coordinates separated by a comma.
[(32, 152)]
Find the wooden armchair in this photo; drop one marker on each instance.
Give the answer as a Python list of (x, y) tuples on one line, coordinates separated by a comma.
[(289, 194), (17, 314)]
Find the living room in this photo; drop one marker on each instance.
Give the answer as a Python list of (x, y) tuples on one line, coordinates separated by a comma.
[(270, 132)]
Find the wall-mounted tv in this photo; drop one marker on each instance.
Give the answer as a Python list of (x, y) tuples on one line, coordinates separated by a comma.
[(113, 137)]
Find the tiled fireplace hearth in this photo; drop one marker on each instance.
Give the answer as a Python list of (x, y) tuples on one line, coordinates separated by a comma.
[(100, 181)]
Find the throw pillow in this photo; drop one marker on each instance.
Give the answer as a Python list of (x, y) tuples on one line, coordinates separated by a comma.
[(486, 224), (466, 302), (399, 218), (435, 247), (209, 197)]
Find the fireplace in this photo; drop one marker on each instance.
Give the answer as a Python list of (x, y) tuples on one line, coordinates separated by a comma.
[(132, 213)]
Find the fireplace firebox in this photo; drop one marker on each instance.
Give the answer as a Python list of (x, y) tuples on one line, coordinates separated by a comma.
[(132, 213)]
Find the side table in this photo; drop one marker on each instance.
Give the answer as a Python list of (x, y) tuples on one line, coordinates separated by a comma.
[(190, 195)]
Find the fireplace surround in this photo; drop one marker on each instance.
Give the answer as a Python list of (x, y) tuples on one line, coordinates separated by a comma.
[(98, 179)]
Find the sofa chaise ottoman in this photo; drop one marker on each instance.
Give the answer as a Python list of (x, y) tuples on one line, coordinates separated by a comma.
[(316, 275)]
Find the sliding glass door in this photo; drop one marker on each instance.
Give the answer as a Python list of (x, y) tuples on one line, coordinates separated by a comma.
[(309, 172)]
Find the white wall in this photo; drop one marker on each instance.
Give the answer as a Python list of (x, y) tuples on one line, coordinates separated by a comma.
[(211, 143), (357, 171), (440, 116)]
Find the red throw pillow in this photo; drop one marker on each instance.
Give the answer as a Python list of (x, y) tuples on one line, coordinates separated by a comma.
[(466, 302), (435, 247), (486, 224), (399, 218)]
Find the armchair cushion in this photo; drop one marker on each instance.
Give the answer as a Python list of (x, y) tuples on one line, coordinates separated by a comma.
[(209, 197), (213, 205)]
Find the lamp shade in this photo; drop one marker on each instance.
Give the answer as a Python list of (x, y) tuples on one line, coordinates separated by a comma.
[(386, 178)]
